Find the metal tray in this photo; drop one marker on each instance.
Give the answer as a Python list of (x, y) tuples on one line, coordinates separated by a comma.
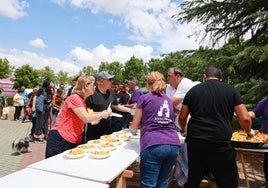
[(250, 145)]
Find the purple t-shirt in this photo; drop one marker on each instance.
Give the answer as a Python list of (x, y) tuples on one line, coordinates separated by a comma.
[(157, 125), (135, 96), (261, 110)]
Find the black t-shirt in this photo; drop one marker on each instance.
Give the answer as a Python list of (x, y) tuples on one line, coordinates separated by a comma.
[(211, 105), (99, 102), (121, 98), (70, 91)]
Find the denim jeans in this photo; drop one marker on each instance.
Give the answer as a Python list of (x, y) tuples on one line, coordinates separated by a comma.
[(156, 164), (56, 144)]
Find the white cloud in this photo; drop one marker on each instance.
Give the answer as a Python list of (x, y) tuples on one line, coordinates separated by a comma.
[(18, 58), (148, 21), (38, 43), (119, 53), (13, 9), (77, 58)]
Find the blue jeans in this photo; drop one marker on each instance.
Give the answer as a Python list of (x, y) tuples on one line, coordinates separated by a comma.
[(156, 164)]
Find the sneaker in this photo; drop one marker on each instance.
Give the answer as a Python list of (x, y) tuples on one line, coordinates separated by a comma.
[(40, 140), (265, 185)]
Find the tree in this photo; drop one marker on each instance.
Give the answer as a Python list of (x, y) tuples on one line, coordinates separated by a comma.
[(47, 74), (5, 68), (114, 68), (26, 76), (88, 70), (62, 78), (135, 68), (229, 18)]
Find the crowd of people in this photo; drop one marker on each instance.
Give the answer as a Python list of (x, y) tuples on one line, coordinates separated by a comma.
[(201, 111)]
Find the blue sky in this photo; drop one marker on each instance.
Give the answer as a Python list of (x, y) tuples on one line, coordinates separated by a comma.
[(70, 34)]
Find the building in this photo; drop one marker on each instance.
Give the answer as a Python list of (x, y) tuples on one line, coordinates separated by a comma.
[(7, 85)]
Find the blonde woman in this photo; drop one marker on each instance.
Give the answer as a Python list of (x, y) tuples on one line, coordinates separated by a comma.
[(69, 127), (159, 141), (18, 103)]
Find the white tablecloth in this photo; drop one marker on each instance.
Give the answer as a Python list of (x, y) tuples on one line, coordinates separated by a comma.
[(33, 178)]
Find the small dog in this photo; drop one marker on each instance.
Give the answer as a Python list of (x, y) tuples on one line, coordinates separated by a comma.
[(21, 145)]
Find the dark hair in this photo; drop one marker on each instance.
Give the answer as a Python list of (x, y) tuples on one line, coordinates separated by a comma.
[(75, 79), (115, 82), (213, 71), (46, 83)]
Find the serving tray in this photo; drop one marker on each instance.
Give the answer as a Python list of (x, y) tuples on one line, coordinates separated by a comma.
[(250, 145)]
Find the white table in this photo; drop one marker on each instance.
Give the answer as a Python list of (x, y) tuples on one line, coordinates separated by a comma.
[(32, 178), (99, 170)]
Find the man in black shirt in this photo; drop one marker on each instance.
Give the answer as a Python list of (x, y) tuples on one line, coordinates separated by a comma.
[(70, 90), (121, 98), (212, 105), (102, 98)]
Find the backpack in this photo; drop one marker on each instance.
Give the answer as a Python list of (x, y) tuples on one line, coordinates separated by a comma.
[(40, 100)]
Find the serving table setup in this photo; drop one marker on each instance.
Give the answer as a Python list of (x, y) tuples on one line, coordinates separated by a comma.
[(242, 144), (97, 168), (95, 164)]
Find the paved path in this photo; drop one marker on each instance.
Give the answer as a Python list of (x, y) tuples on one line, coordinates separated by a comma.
[(12, 162)]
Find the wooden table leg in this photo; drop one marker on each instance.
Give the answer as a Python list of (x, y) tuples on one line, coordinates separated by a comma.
[(240, 155), (121, 180)]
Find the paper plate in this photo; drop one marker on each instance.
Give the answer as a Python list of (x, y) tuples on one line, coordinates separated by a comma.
[(71, 154), (100, 153), (108, 136), (96, 142), (108, 145), (86, 147)]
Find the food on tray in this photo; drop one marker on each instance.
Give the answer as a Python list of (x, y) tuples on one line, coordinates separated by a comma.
[(241, 136)]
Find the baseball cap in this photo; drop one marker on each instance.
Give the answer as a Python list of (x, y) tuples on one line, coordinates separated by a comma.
[(103, 75)]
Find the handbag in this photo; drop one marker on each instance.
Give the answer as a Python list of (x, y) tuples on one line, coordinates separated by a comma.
[(6, 110)]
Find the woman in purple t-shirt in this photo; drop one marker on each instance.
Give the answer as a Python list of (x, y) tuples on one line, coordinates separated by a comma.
[(261, 110), (159, 140)]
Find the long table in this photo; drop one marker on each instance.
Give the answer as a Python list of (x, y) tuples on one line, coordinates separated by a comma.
[(83, 172), (32, 178), (88, 168), (240, 155)]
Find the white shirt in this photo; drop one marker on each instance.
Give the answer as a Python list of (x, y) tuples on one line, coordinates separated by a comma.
[(184, 86)]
